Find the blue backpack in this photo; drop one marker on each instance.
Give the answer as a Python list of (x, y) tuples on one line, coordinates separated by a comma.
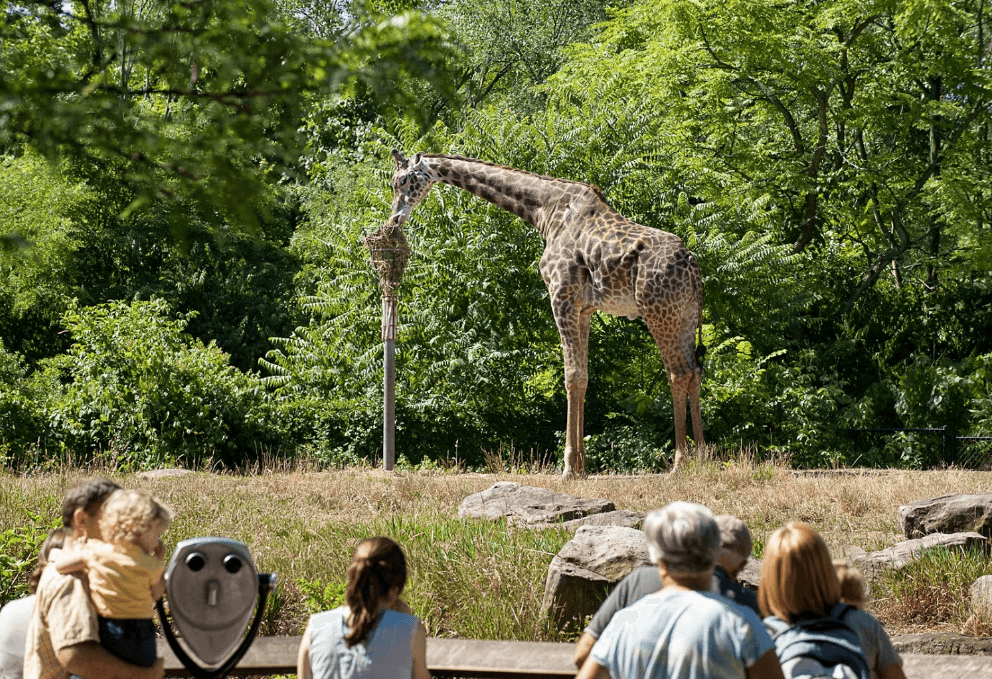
[(821, 647)]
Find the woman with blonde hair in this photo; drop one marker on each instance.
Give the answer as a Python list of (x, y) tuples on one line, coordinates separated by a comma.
[(373, 636), (799, 585)]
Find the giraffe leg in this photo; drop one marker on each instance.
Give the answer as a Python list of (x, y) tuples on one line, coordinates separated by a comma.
[(585, 320), (675, 340), (680, 389), (574, 330)]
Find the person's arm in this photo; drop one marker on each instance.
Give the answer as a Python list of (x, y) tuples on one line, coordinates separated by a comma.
[(893, 671), (636, 584), (90, 659), (592, 670), (765, 667), (419, 643), (303, 658), (158, 589), (69, 562), (582, 649)]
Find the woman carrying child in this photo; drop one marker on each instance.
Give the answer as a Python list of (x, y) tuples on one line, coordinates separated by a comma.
[(125, 572), (799, 585)]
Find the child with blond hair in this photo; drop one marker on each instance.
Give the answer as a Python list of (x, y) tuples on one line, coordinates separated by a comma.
[(125, 567), (852, 584)]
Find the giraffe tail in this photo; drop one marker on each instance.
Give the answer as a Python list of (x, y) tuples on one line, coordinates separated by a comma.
[(700, 347), (697, 283)]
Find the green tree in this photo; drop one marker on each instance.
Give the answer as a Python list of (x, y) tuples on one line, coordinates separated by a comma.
[(196, 101), (860, 124)]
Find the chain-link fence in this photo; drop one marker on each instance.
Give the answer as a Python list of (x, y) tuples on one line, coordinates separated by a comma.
[(923, 447)]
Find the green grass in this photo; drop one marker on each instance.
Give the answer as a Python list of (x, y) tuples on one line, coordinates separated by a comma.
[(481, 579), (469, 578), (935, 588)]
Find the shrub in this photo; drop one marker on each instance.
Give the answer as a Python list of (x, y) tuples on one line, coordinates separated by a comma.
[(139, 386)]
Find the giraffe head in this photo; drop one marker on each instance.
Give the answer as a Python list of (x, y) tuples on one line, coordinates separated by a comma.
[(411, 182)]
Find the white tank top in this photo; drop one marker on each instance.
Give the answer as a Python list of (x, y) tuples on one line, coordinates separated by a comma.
[(387, 652)]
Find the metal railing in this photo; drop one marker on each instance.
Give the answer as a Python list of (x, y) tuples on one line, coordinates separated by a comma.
[(949, 442)]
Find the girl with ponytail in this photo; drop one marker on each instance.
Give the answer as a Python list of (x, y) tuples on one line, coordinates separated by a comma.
[(375, 633)]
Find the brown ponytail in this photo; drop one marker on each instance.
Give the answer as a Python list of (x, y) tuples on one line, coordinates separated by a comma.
[(376, 567)]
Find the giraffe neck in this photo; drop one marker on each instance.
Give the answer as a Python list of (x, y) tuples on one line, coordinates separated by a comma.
[(525, 194)]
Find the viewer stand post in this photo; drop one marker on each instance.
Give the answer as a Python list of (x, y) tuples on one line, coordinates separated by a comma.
[(389, 253)]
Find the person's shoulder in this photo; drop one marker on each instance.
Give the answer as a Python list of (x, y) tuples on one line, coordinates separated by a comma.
[(318, 620), (12, 612), (140, 556), (859, 619), (640, 582), (393, 617), (54, 585), (729, 608)]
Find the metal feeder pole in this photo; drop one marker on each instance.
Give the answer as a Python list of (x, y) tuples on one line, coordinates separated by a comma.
[(390, 253), (389, 381)]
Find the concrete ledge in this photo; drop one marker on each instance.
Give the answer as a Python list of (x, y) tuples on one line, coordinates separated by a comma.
[(946, 666), (942, 643), (448, 658)]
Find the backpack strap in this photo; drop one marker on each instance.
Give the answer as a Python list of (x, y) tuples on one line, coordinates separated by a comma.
[(840, 611)]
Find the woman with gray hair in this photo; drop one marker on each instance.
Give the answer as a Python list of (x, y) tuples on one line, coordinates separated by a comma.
[(683, 631)]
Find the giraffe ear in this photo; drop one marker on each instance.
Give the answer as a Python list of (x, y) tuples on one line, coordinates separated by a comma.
[(400, 160), (416, 159)]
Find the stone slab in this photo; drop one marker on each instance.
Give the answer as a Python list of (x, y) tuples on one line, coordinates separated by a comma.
[(619, 517), (529, 505), (947, 666), (954, 513), (942, 643), (901, 554), (164, 473)]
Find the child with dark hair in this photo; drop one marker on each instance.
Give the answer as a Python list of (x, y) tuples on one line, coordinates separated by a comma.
[(375, 634)]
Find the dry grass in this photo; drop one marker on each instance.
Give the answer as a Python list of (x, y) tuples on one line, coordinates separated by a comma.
[(483, 580)]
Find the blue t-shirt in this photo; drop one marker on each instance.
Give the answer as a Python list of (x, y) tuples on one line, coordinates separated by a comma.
[(676, 634)]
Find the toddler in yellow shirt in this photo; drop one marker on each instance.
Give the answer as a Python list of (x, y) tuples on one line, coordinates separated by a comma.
[(125, 571)]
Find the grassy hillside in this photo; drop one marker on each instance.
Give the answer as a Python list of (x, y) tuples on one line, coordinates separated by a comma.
[(485, 580)]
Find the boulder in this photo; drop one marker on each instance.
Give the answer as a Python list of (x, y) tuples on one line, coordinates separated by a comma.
[(618, 517), (956, 513), (981, 597), (750, 575), (528, 505), (899, 555), (587, 567)]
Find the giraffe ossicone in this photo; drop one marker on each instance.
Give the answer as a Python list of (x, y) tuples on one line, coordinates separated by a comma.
[(595, 259)]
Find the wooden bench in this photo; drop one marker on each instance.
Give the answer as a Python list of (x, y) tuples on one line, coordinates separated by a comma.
[(524, 659)]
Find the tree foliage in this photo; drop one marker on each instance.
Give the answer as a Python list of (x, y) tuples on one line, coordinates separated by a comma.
[(828, 164), (198, 101)]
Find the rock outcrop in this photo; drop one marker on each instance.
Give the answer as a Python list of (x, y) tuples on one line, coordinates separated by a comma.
[(529, 505), (587, 567)]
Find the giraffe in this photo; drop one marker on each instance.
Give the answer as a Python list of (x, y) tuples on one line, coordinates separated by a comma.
[(594, 259)]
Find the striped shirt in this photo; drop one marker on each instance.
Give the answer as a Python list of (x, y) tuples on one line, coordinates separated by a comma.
[(63, 617)]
